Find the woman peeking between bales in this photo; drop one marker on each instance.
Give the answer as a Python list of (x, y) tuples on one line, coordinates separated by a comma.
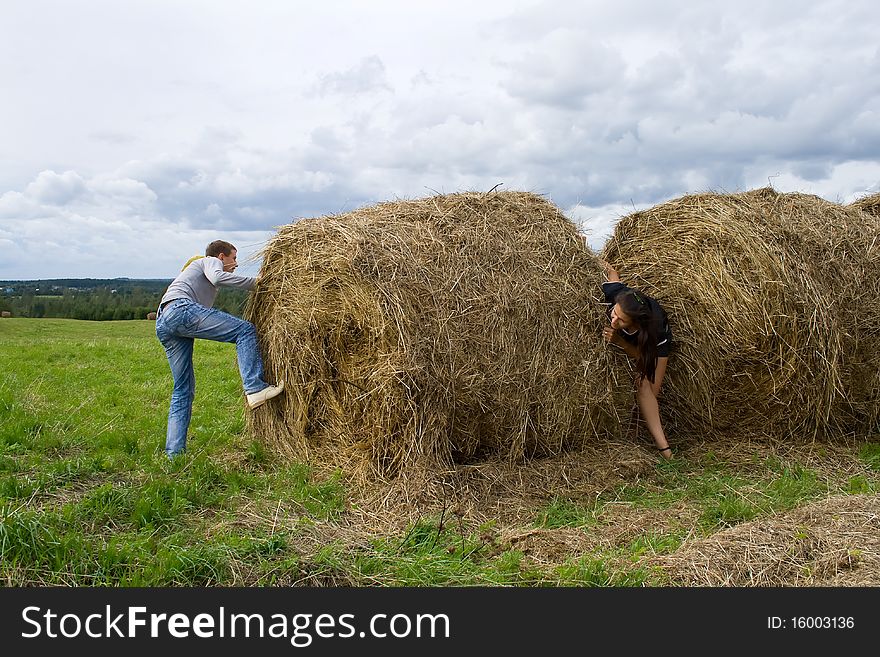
[(639, 327)]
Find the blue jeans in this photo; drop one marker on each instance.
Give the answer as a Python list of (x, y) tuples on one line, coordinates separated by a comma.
[(178, 324)]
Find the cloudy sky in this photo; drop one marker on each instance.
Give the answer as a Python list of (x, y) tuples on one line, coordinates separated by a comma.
[(133, 133)]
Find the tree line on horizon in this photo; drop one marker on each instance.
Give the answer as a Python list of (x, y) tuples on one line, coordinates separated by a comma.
[(97, 299)]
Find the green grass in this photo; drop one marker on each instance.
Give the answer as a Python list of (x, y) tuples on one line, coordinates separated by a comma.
[(87, 496), (86, 493), (565, 513), (427, 555)]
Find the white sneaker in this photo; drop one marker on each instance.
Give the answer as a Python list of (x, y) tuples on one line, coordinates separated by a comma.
[(256, 399)]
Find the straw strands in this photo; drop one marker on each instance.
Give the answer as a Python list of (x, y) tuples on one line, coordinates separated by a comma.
[(833, 542), (772, 299), (869, 204), (434, 331)]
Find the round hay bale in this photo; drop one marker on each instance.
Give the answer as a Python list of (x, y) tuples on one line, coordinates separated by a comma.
[(151, 315), (772, 300), (435, 330), (869, 204)]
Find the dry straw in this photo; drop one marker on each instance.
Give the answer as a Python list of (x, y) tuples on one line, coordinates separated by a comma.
[(434, 331), (869, 204), (773, 300), (833, 542)]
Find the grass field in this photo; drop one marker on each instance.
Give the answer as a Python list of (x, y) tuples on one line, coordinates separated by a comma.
[(87, 496)]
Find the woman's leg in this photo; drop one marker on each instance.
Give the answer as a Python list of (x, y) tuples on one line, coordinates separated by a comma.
[(646, 394), (659, 373)]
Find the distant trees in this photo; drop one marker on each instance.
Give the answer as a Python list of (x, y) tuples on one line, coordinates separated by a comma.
[(97, 300)]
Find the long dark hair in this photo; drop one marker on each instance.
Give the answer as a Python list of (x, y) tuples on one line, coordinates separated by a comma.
[(636, 306)]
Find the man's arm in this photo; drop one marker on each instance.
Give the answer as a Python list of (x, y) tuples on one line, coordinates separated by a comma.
[(214, 273)]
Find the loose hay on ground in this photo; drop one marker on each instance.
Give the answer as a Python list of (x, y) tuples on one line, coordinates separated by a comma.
[(510, 498), (834, 542)]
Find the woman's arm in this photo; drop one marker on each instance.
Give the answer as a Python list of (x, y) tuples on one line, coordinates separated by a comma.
[(611, 336)]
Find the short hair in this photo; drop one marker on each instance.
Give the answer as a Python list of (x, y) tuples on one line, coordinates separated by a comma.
[(217, 247)]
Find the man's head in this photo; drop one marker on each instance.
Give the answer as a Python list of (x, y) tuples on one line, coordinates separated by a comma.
[(217, 247), (225, 252)]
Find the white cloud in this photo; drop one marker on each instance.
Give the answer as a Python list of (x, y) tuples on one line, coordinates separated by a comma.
[(842, 183), (56, 189), (565, 67), (368, 75), (597, 223), (15, 205), (111, 227)]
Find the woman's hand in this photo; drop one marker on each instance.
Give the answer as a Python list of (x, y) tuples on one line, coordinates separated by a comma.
[(610, 335), (610, 272)]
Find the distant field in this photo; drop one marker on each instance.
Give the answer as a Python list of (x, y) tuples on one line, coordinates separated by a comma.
[(87, 496)]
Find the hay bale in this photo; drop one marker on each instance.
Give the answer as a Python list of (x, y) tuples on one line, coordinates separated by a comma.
[(869, 204), (772, 300), (434, 330), (5, 313), (151, 315)]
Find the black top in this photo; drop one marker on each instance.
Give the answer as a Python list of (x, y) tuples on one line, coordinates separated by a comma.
[(612, 289)]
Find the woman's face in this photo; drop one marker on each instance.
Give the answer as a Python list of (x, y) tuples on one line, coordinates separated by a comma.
[(620, 320)]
